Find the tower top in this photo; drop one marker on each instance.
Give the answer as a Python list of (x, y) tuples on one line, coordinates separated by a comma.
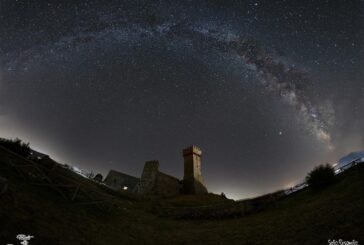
[(192, 150), (152, 164)]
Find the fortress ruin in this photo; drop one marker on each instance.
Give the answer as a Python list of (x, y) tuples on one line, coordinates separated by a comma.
[(155, 182)]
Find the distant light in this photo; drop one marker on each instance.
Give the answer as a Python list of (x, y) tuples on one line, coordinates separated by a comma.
[(125, 188)]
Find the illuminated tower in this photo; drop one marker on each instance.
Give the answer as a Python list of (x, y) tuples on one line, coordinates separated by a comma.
[(192, 180)]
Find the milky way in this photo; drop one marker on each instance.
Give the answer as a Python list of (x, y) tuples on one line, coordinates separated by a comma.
[(278, 77), (267, 89)]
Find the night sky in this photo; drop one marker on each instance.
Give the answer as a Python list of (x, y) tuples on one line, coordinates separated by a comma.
[(267, 89)]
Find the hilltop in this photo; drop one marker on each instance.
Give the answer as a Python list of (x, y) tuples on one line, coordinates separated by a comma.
[(58, 206)]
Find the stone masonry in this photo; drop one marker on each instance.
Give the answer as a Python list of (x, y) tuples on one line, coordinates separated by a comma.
[(154, 182), (192, 180)]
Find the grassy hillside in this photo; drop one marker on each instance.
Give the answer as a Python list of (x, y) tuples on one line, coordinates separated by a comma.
[(306, 217)]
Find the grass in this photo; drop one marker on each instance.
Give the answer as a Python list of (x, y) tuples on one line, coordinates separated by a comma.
[(307, 217)]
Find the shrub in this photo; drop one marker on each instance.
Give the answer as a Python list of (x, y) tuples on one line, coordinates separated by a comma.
[(16, 145), (90, 174), (320, 177), (98, 178)]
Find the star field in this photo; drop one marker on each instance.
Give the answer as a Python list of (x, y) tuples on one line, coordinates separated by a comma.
[(267, 89)]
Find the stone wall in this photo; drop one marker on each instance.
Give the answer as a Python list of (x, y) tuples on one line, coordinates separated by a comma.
[(154, 182), (120, 181), (148, 179), (167, 185)]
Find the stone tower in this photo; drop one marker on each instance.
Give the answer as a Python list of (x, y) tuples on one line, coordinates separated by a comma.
[(192, 180), (149, 175)]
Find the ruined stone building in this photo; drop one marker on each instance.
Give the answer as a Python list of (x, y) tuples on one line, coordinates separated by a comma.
[(121, 181), (155, 182)]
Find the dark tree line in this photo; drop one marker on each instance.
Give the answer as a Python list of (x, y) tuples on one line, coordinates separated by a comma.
[(16, 145)]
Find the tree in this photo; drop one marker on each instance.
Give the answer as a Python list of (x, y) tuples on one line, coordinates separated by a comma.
[(16, 145), (98, 178), (90, 174), (320, 177)]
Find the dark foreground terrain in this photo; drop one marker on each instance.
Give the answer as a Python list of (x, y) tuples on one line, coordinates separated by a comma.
[(79, 211)]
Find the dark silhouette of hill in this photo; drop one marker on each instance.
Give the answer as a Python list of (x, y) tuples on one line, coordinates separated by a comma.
[(41, 201), (16, 145)]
